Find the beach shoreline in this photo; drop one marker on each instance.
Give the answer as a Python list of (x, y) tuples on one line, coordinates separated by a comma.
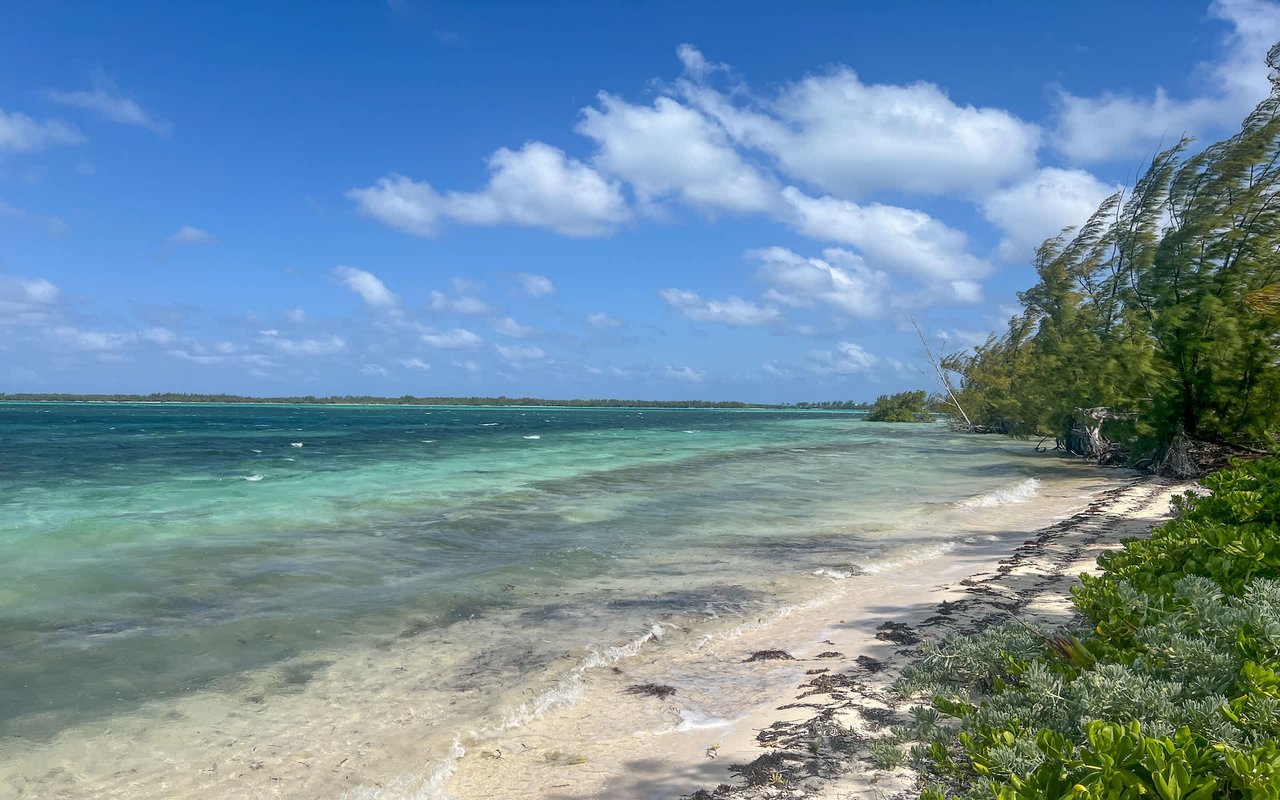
[(834, 692)]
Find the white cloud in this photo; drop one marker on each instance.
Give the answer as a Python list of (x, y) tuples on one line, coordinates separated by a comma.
[(897, 239), (461, 304), (295, 315), (22, 134), (93, 341), (1041, 205), (455, 339), (157, 335), (535, 285), (27, 301), (841, 282), (1109, 126), (54, 226), (602, 321), (415, 363), (688, 374), (847, 359), (108, 102), (305, 347), (845, 136), (373, 370), (372, 290), (536, 186), (509, 327), (221, 353), (670, 149), (730, 311), (189, 234), (513, 353)]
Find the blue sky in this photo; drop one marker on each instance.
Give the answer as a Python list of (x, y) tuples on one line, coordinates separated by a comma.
[(663, 200)]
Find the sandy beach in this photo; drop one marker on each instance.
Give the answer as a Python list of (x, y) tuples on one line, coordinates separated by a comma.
[(804, 723)]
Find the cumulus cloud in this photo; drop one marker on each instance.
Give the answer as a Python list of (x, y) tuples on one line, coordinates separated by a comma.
[(189, 234), (839, 281), (415, 363), (848, 358), (509, 327), (669, 149), (106, 100), (27, 301), (372, 290), (1040, 205), (897, 239), (454, 339), (730, 311), (92, 341), (1111, 125), (602, 321), (54, 226), (535, 186), (687, 374), (22, 134), (460, 304), (513, 353), (535, 285), (845, 136), (323, 346)]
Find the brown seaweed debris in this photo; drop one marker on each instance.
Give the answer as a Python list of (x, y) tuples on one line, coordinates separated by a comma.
[(870, 664), (771, 655), (896, 632), (830, 654), (651, 690)]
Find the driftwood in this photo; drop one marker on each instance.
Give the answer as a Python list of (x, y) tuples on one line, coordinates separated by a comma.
[(1084, 437)]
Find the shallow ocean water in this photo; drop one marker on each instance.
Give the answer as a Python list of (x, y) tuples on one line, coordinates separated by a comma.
[(170, 570)]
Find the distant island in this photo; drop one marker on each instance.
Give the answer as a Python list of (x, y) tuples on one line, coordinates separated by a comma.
[(410, 400)]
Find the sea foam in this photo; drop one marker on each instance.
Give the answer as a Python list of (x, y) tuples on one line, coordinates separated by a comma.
[(1019, 493)]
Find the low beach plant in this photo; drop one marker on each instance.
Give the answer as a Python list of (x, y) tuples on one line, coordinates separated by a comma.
[(1170, 688)]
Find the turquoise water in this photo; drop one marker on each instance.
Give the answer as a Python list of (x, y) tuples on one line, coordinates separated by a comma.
[(150, 552)]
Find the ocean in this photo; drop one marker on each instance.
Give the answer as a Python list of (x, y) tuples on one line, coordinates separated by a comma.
[(187, 585)]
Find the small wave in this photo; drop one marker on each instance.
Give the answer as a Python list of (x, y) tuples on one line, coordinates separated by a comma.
[(426, 441), (534, 436), (568, 689), (1019, 493), (430, 787), (914, 557), (255, 451), (254, 478), (695, 720), (693, 431), (295, 444), (837, 574), (488, 424)]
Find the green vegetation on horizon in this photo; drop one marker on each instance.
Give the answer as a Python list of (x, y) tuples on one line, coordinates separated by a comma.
[(410, 400), (1170, 688), (1163, 309)]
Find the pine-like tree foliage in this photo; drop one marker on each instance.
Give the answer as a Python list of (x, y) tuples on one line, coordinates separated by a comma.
[(1162, 307)]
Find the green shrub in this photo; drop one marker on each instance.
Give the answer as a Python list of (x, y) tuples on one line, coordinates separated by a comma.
[(1172, 692)]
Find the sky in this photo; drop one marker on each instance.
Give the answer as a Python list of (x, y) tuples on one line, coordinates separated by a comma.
[(712, 200)]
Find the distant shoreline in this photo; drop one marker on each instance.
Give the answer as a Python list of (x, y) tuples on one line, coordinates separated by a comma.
[(404, 402)]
